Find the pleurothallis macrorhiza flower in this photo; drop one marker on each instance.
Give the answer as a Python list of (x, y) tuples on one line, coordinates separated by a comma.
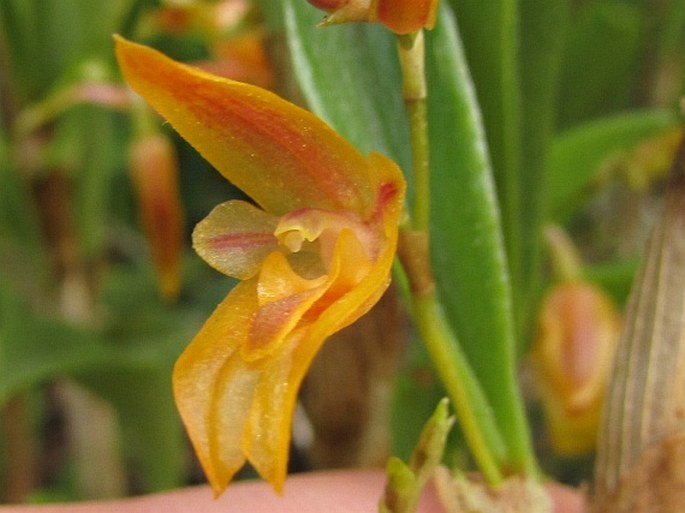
[(313, 252)]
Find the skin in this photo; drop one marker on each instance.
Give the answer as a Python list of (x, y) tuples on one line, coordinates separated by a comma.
[(334, 492)]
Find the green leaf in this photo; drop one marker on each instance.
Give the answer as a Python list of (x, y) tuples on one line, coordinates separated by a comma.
[(600, 58), (22, 252), (89, 147), (490, 34), (350, 77), (20, 37), (416, 391), (543, 28), (45, 38), (467, 247), (576, 154), (35, 347)]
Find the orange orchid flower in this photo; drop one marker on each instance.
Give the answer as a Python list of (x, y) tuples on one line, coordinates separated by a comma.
[(400, 16), (313, 255)]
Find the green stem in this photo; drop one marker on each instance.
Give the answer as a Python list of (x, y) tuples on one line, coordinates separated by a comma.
[(473, 410), (566, 261), (471, 405), (475, 415), (411, 50)]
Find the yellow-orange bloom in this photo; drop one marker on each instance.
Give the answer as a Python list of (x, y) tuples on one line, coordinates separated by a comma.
[(400, 16), (313, 255)]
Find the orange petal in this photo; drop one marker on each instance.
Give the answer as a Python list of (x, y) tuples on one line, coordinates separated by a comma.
[(235, 238), (266, 439), (405, 16), (214, 388), (283, 297), (279, 154)]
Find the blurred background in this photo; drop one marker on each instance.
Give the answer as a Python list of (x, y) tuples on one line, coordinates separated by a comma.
[(100, 290)]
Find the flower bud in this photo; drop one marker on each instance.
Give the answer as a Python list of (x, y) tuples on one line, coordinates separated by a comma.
[(578, 330), (400, 16), (405, 16), (154, 173)]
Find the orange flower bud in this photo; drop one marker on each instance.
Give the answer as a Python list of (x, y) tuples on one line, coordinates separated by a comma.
[(400, 16), (578, 330), (405, 16), (154, 172)]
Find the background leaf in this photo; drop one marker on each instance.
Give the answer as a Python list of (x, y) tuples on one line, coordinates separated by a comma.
[(348, 77), (489, 30), (544, 25), (602, 50), (576, 154)]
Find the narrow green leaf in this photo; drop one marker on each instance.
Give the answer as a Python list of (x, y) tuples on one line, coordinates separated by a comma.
[(22, 252), (543, 28), (70, 31), (19, 35), (45, 38), (416, 391), (350, 77), (37, 347), (576, 154), (600, 58), (467, 246), (89, 147), (490, 34)]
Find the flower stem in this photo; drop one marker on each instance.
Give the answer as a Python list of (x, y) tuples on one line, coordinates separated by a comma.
[(411, 51), (473, 410), (475, 415), (565, 258)]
